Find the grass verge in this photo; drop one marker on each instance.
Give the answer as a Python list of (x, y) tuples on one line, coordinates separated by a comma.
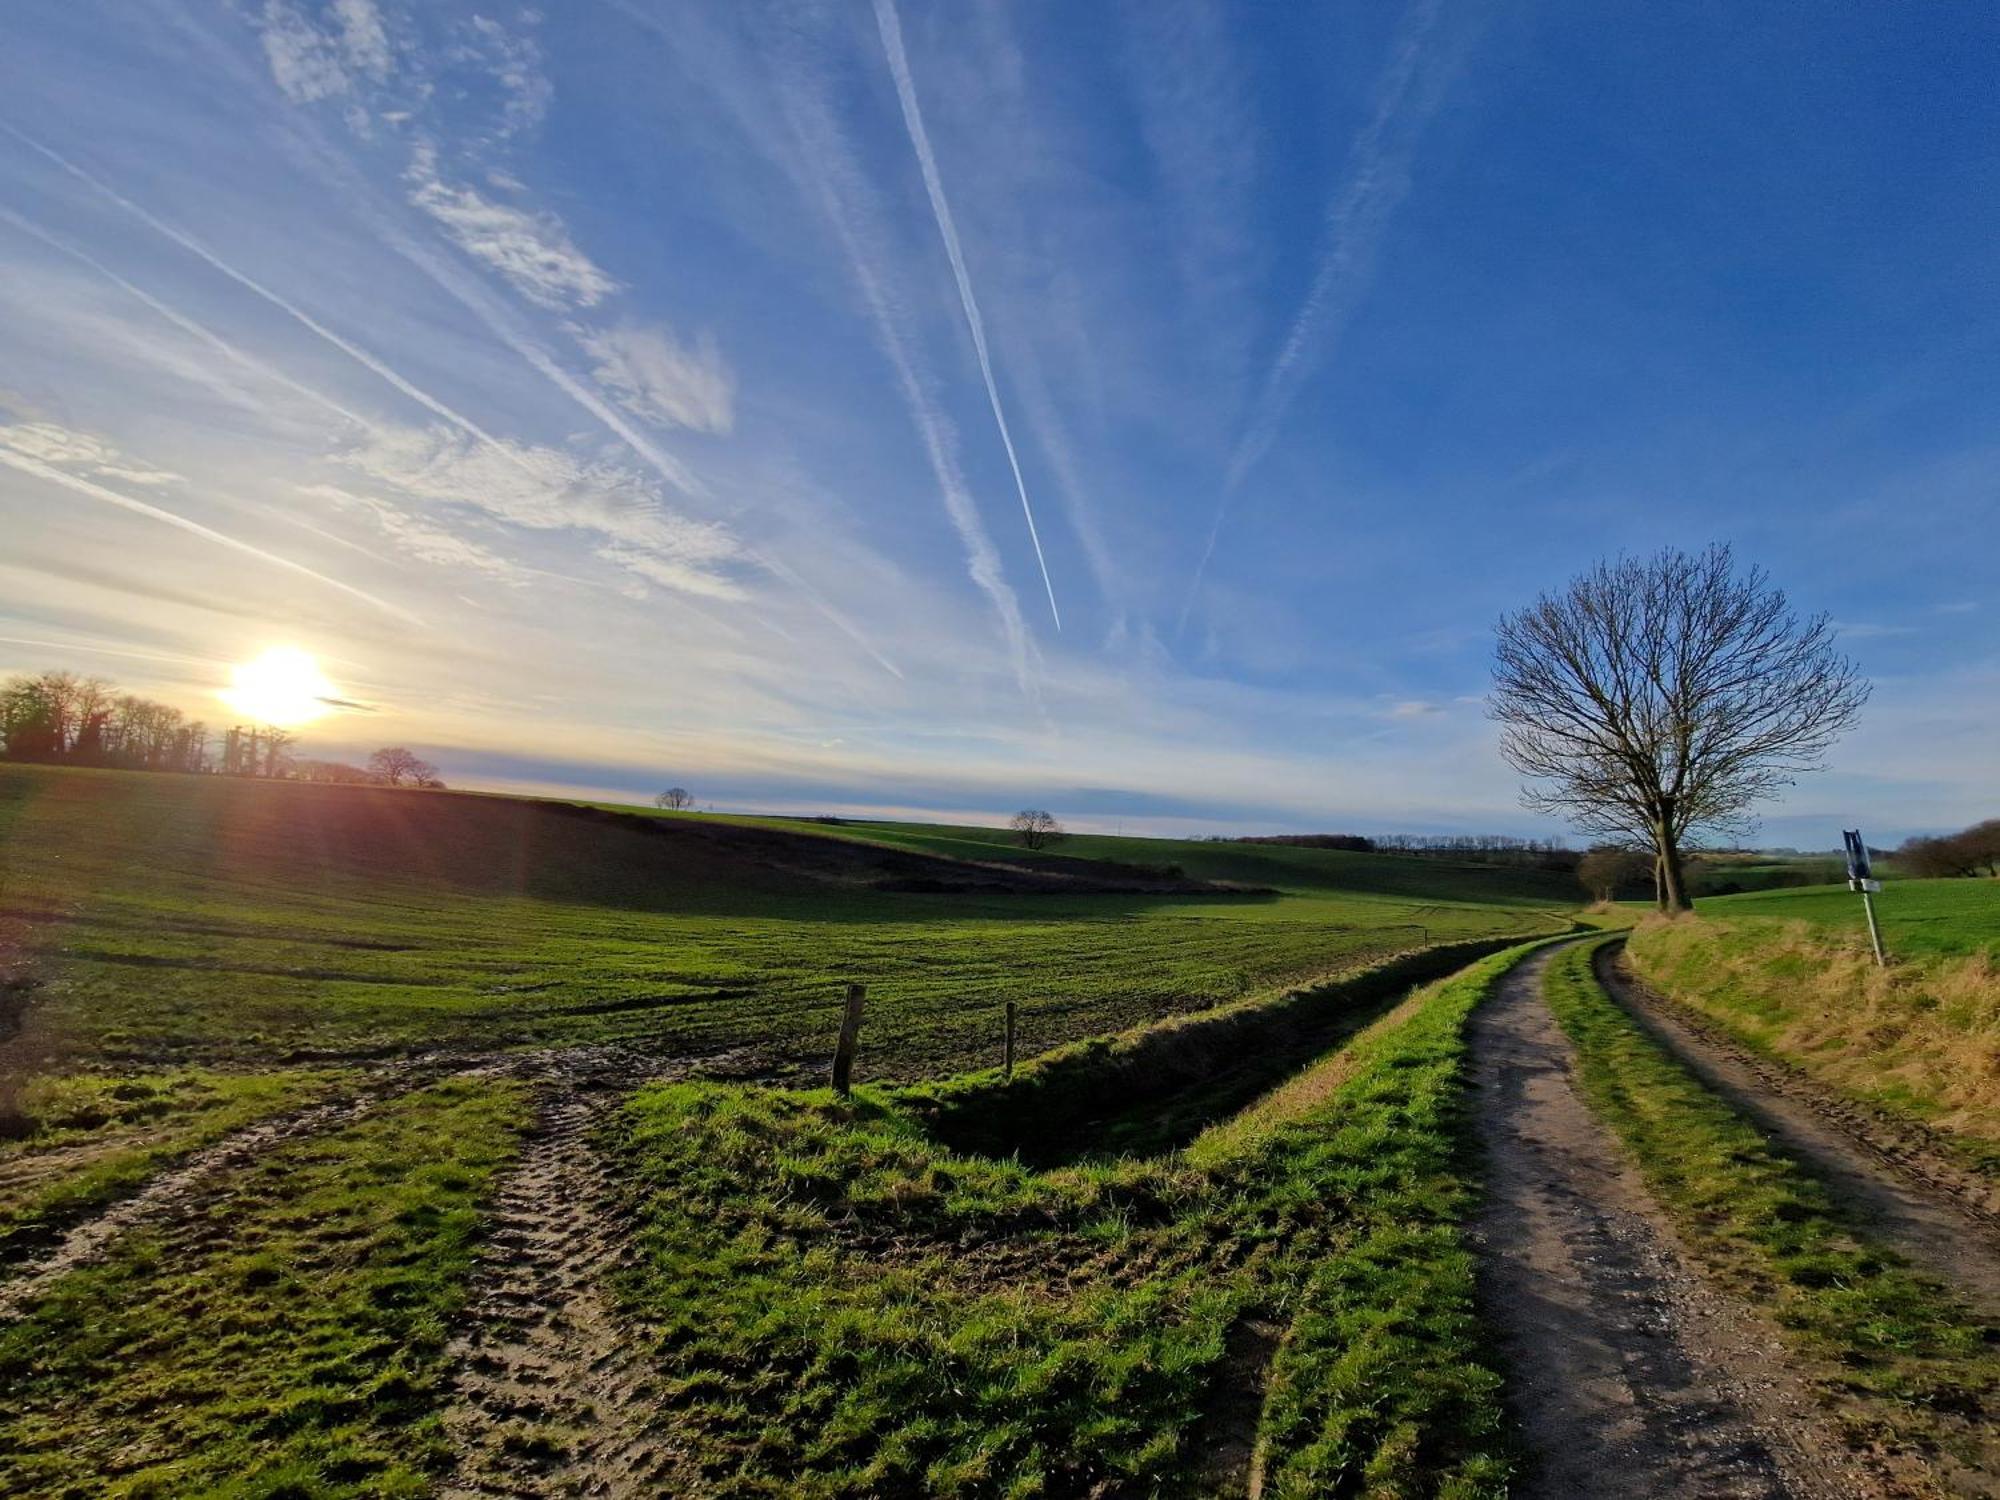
[(283, 1338), (1872, 1326), (846, 1306), (1920, 1038)]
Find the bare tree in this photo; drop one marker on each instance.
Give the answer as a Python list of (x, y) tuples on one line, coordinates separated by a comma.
[(1658, 700), (1036, 828), (675, 799), (399, 767)]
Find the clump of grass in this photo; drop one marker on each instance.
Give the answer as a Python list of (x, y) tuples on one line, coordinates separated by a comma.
[(1921, 1036), (845, 1306), (285, 1339), (1874, 1326)]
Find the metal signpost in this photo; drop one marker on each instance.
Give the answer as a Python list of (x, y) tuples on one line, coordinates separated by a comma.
[(1859, 879)]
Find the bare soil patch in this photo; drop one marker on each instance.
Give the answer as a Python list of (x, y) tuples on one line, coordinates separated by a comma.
[(552, 1394)]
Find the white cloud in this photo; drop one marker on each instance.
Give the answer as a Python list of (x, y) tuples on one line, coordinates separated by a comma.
[(654, 376), (139, 476), (67, 448), (311, 63), (548, 489), (363, 38), (515, 64), (1414, 708), (533, 251), (420, 539)]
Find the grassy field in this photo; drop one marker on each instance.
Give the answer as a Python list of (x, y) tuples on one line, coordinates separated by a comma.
[(1868, 1324), (1789, 972), (182, 959), (192, 920), (287, 1340), (846, 1306)]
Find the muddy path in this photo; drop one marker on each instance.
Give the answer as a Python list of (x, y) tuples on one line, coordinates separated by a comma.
[(550, 1390), (1900, 1190), (1630, 1373)]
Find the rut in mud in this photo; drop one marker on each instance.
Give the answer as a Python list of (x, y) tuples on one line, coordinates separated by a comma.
[(550, 1392), (1631, 1375), (1902, 1190), (176, 1192)]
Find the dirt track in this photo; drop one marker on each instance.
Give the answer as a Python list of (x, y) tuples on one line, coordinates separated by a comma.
[(1630, 1374), (551, 1394)]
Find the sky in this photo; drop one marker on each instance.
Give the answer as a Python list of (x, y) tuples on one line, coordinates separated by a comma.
[(1143, 411)]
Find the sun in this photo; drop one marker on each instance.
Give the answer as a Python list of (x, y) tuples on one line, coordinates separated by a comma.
[(283, 687)]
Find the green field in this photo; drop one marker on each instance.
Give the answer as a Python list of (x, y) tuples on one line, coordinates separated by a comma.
[(171, 919), (185, 958), (1790, 973)]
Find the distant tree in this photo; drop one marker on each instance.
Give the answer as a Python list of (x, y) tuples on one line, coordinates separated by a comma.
[(1607, 869), (675, 799), (277, 752), (1972, 851), (1657, 700), (395, 766), (1036, 828), (337, 772)]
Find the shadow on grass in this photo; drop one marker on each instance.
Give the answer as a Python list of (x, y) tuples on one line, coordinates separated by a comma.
[(1155, 1088)]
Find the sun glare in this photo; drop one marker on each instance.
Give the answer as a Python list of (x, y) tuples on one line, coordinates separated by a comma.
[(284, 687)]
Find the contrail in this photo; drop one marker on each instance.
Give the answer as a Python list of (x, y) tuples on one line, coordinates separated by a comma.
[(201, 252), (186, 324), (1376, 181), (832, 182), (97, 491), (890, 26)]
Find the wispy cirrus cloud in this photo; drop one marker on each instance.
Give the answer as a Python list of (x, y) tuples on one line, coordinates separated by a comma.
[(1374, 182), (655, 376), (549, 489), (532, 251), (831, 177), (422, 540), (315, 60), (74, 461)]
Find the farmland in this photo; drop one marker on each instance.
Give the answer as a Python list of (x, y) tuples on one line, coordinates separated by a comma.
[(170, 920), (375, 1142), (272, 1050)]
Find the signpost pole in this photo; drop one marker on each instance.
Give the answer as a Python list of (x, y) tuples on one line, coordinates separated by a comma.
[(1861, 878), (1874, 932)]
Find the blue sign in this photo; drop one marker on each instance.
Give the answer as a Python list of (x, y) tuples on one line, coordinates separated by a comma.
[(1857, 855)]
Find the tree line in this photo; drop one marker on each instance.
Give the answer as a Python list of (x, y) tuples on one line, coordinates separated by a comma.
[(1970, 851), (64, 719)]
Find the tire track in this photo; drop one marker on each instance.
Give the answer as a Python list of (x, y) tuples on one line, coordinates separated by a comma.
[(551, 1392), (1910, 1196), (173, 1193), (1631, 1374)]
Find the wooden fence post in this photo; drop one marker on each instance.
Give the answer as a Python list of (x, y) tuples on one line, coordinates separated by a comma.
[(850, 1035), (1007, 1059)]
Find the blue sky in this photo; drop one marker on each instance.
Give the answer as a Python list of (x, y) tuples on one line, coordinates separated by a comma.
[(1140, 410)]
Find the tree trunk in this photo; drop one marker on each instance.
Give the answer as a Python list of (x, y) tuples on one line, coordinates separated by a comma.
[(1673, 884)]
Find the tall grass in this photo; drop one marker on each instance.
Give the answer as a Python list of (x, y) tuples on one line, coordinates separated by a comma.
[(1922, 1035)]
